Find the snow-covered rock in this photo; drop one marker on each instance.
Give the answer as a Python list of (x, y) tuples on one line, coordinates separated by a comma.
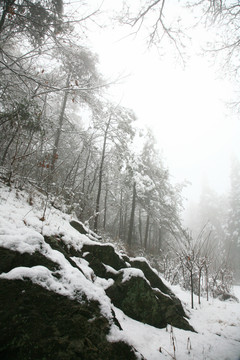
[(64, 296)]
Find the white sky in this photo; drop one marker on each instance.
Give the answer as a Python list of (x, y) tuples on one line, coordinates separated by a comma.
[(185, 108)]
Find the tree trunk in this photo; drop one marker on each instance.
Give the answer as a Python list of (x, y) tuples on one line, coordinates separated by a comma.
[(146, 232), (73, 186), (105, 209), (191, 285), (101, 175), (85, 172), (199, 285), (131, 224), (125, 222), (8, 146), (140, 225), (159, 239), (206, 269), (121, 215), (59, 129)]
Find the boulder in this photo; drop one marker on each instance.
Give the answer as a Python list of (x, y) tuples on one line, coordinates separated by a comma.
[(146, 298), (156, 282), (227, 297), (40, 324), (105, 254), (11, 259), (137, 299)]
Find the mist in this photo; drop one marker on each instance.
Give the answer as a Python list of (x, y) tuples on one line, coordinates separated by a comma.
[(136, 128), (119, 179)]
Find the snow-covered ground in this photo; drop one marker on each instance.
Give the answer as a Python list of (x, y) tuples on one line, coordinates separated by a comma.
[(217, 323), (218, 333)]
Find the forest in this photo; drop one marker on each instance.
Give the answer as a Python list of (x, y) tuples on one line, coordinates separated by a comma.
[(63, 134)]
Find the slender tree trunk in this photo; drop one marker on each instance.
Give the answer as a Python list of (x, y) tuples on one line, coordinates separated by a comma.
[(191, 285), (43, 116), (16, 149), (199, 285), (59, 129), (70, 172), (75, 172), (28, 144), (93, 182), (206, 269), (8, 146), (131, 224), (125, 221), (140, 225), (88, 191), (85, 172), (105, 209), (146, 232), (101, 175), (121, 215), (159, 239)]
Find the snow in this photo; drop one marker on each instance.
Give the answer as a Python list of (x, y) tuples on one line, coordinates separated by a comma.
[(237, 291), (217, 323), (110, 269), (83, 265), (128, 273), (218, 333), (16, 235)]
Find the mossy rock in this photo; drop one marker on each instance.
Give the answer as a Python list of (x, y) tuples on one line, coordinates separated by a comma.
[(156, 282), (79, 227), (136, 298), (11, 259), (57, 244), (105, 254), (172, 311), (40, 324), (99, 269)]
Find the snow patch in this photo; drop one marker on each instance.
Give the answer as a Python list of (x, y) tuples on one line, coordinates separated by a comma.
[(111, 269), (132, 272)]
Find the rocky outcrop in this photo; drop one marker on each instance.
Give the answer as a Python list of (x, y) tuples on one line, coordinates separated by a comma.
[(156, 282), (43, 319), (11, 259), (144, 298), (40, 324), (106, 254), (137, 299)]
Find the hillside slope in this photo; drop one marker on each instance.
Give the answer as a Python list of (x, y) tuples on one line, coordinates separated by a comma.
[(62, 287), (66, 296)]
